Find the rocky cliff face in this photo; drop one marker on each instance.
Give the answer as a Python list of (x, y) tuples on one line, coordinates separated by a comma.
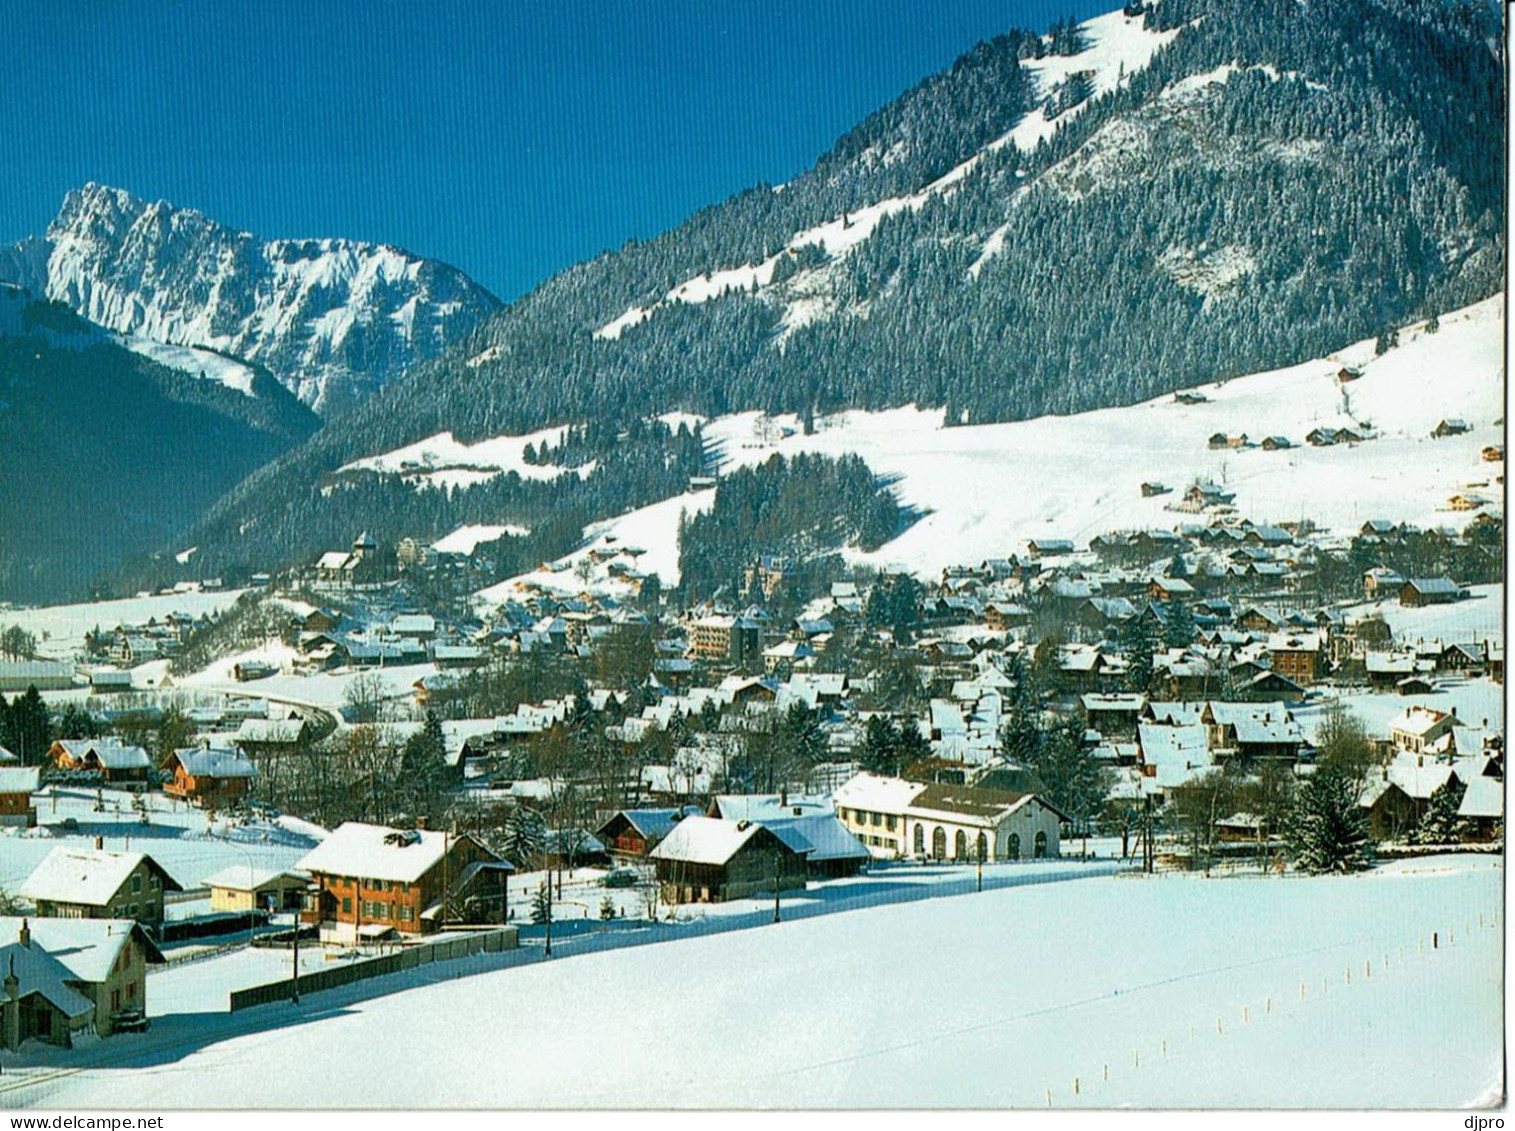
[(331, 319)]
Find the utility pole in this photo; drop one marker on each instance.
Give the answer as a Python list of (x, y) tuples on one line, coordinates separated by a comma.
[(294, 981), (775, 884), (549, 916)]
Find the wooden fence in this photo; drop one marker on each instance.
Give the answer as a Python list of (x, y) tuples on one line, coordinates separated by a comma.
[(407, 958)]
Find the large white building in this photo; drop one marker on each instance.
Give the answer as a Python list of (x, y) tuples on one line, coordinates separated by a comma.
[(900, 819)]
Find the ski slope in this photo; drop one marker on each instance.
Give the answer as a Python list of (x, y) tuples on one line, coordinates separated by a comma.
[(988, 489), (443, 461), (1188, 989), (60, 629)]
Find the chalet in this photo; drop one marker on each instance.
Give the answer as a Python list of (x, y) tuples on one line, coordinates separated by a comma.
[(899, 819), (1466, 502), (1190, 397), (210, 776), (268, 737), (1348, 373), (1169, 588), (126, 767), (1391, 812), (1252, 730), (1386, 669), (710, 860), (1276, 443), (244, 888), (1452, 426), (1297, 655), (1049, 547), (17, 785), (83, 883), (1202, 495), (1220, 440), (248, 670), (1482, 809), (1494, 453), (1003, 615), (72, 976), (1268, 686), (1414, 685), (1152, 489), (1381, 581), (631, 834), (833, 850), (368, 881), (1113, 715), (1327, 437), (1417, 592), (1461, 658)]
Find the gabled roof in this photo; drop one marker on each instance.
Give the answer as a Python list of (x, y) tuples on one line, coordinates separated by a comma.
[(88, 947), (216, 762), (90, 876), (652, 824), (240, 877), (378, 852), (710, 840), (20, 779), (1436, 585), (38, 972), (1484, 798)]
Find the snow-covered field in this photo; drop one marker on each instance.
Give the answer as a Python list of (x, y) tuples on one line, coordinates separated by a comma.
[(1244, 991), (1479, 618), (202, 363), (1477, 702), (991, 488), (60, 629), (442, 461), (178, 836)]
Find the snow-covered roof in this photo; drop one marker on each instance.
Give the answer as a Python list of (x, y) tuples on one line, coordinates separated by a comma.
[(216, 762), (709, 840), (86, 875), (20, 779), (876, 794), (38, 972), (88, 947), (1419, 721), (826, 836), (1176, 753), (377, 852), (240, 877), (1484, 798)]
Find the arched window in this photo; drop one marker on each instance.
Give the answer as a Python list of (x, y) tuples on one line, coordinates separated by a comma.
[(983, 847), (1014, 851), (960, 846), (920, 840), (1041, 845), (939, 843)]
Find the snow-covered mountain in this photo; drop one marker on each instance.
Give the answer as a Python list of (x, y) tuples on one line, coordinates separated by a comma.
[(331, 319)]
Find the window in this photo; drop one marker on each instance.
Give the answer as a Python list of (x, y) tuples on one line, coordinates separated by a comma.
[(939, 843), (1041, 845), (131, 991), (136, 908), (1014, 851), (960, 846), (920, 841), (983, 847), (136, 882), (153, 881), (115, 1000), (405, 887), (347, 905), (877, 818), (406, 913), (889, 823)]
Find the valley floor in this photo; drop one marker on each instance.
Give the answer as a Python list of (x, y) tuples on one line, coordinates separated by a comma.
[(1246, 991)]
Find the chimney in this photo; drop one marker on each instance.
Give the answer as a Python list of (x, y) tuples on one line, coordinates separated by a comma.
[(24, 936)]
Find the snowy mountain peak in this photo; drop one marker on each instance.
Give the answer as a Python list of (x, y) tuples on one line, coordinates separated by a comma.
[(332, 319)]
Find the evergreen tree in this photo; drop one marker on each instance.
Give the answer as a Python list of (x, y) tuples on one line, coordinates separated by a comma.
[(881, 747), (1139, 639), (1440, 824), (1328, 830), (423, 765), (1074, 782), (28, 727), (523, 836), (1179, 631), (541, 903)]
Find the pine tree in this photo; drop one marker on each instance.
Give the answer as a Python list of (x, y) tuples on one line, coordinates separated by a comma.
[(1139, 637), (607, 908), (541, 903), (522, 836), (1179, 630), (1328, 830), (1440, 824), (881, 747)]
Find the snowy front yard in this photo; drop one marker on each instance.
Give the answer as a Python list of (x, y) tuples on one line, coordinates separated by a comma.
[(1244, 991)]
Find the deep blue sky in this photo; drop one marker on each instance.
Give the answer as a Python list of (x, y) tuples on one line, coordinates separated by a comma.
[(507, 137)]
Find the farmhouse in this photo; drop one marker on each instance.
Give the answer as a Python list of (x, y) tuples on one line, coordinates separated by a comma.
[(710, 860), (83, 883), (370, 880), (103, 961), (1418, 592)]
